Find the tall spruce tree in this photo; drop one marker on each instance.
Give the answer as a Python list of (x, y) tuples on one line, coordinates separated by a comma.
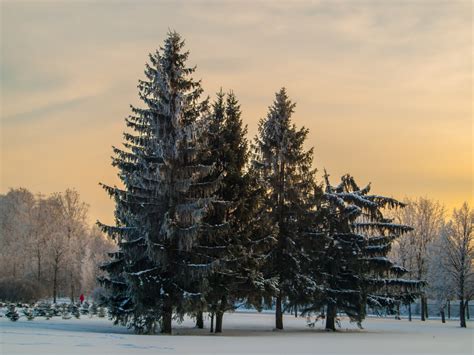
[(354, 271), (166, 195), (284, 167), (239, 247)]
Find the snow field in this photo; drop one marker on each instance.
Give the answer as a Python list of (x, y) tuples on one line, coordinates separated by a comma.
[(244, 333)]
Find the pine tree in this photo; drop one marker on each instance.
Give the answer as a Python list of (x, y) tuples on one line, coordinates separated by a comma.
[(238, 246), (354, 270), (286, 173), (75, 310), (93, 309), (65, 311), (12, 313), (166, 195), (28, 312), (85, 309), (101, 312)]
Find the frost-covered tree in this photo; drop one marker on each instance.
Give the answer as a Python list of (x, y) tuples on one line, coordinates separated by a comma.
[(440, 284), (167, 193), (43, 245), (73, 224), (458, 242), (96, 248), (238, 246), (16, 210), (427, 218), (354, 269), (284, 167)]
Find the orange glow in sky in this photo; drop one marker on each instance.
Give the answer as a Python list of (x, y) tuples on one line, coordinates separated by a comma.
[(384, 87)]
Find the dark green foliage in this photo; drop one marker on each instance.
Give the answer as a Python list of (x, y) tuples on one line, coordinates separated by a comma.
[(12, 313), (85, 308), (167, 192), (93, 309), (197, 231), (234, 239), (75, 310), (65, 311), (286, 175), (101, 312), (43, 309), (354, 271), (28, 312)]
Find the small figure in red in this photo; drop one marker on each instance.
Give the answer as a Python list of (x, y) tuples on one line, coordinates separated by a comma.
[(81, 298)]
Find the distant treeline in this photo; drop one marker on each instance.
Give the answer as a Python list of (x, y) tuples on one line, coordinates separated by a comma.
[(47, 248)]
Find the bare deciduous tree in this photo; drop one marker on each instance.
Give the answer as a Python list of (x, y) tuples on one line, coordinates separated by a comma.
[(427, 218), (459, 247), (46, 242)]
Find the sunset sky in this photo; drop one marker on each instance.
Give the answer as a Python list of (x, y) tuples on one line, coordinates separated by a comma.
[(384, 87)]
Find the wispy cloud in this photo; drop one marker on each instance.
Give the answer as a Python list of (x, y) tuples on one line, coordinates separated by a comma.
[(385, 87)]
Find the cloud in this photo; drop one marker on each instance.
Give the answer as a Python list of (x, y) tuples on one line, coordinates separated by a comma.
[(385, 87)]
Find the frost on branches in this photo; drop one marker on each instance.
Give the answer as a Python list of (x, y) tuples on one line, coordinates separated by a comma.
[(354, 269), (166, 196), (286, 174)]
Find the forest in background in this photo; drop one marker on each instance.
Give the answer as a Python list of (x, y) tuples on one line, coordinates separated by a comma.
[(47, 247)]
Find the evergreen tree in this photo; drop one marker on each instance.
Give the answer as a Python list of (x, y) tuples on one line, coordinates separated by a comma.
[(28, 312), (93, 309), (101, 312), (65, 311), (239, 245), (76, 312), (288, 178), (85, 308), (354, 269), (167, 193), (12, 313)]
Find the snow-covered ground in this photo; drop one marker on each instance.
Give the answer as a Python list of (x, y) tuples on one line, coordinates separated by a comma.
[(244, 333)]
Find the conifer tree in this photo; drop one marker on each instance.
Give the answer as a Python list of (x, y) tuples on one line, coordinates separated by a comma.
[(166, 195), (354, 269), (284, 167), (237, 246), (12, 313)]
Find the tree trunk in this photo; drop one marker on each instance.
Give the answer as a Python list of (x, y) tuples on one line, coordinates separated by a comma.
[(409, 312), (278, 313), (422, 306), (151, 327), (212, 322), (443, 318), (296, 311), (467, 310), (166, 319), (39, 266), (426, 308), (449, 309), (72, 290), (55, 283), (219, 316), (331, 317), (199, 320), (462, 314)]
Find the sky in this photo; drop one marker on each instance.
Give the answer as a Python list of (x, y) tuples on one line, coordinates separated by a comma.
[(384, 87)]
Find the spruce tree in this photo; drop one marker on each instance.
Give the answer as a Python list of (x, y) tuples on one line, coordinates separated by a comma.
[(354, 269), (284, 167), (166, 194), (237, 246), (12, 313)]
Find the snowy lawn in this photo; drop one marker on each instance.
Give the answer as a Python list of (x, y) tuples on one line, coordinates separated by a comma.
[(244, 333)]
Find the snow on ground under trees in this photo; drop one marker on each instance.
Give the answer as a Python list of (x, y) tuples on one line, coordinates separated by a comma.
[(244, 333)]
